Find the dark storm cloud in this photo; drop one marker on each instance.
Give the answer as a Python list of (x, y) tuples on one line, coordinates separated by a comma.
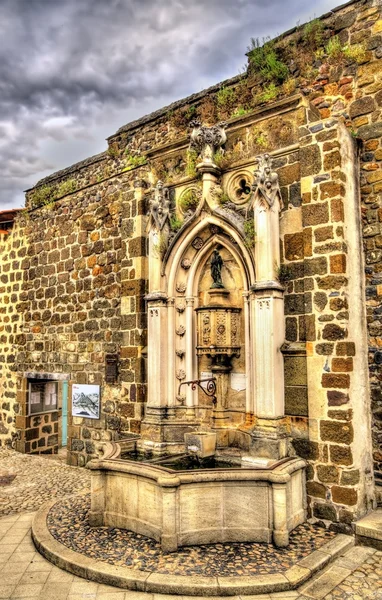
[(73, 71)]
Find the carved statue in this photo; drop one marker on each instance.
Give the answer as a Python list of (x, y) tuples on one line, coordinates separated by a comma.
[(266, 181), (159, 206), (207, 140), (216, 270)]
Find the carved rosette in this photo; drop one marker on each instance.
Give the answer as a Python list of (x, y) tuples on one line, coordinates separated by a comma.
[(266, 186), (206, 141)]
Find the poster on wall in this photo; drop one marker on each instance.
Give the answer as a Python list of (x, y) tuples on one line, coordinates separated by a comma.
[(86, 400)]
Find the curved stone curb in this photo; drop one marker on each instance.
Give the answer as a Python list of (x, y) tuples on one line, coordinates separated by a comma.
[(152, 582)]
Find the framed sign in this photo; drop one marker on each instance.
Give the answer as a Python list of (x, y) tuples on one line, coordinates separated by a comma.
[(86, 400)]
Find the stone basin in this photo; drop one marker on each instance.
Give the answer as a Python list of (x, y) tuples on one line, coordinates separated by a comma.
[(183, 508)]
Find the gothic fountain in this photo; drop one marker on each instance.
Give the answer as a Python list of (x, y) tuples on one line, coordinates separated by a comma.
[(215, 375)]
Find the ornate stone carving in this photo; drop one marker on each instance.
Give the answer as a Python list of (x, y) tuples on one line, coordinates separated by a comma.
[(266, 182), (237, 186), (181, 287), (180, 353), (159, 206), (197, 243), (181, 374), (180, 307), (264, 304), (185, 264), (181, 330), (206, 329), (207, 140)]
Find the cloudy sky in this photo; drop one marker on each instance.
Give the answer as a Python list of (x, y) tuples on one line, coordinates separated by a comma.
[(73, 71)]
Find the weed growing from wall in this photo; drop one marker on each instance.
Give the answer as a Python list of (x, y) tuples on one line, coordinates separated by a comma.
[(264, 60), (134, 160), (249, 232), (188, 201), (191, 160), (313, 34)]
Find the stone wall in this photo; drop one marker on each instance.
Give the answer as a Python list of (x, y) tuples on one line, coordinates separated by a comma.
[(13, 249), (74, 273), (73, 294)]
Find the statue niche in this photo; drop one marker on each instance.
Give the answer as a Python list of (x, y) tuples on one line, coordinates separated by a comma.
[(220, 336)]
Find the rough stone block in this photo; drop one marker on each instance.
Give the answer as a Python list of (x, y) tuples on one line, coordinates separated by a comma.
[(333, 332), (361, 106), (296, 401), (345, 349), (350, 477), (324, 511), (338, 263), (341, 455), (336, 398), (310, 161), (332, 431), (327, 473), (294, 246), (315, 214), (315, 489), (306, 449), (340, 365), (343, 495)]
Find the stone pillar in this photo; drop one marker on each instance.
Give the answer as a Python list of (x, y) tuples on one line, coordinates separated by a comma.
[(157, 349), (269, 436)]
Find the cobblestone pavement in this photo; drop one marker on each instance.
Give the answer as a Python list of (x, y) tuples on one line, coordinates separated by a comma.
[(38, 479), (24, 573)]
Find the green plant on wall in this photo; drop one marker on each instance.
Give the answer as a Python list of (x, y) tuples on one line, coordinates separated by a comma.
[(42, 195), (313, 34), (337, 53), (249, 232), (269, 93), (264, 60), (334, 49), (66, 187), (259, 138), (240, 112), (224, 198), (283, 273), (188, 201), (218, 158), (175, 223), (356, 53), (225, 101), (191, 161), (133, 160)]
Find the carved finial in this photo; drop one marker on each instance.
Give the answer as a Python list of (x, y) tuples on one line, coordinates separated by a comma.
[(159, 206), (207, 140), (266, 181)]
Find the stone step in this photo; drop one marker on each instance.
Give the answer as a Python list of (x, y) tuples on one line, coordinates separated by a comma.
[(332, 576), (368, 530)]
